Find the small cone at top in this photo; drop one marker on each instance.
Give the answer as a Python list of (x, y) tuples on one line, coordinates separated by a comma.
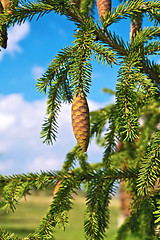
[(103, 6)]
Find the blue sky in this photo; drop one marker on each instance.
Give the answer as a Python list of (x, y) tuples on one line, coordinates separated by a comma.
[(39, 42), (31, 48)]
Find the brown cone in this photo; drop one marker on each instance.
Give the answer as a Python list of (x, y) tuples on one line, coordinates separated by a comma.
[(81, 121), (3, 31), (55, 190), (6, 5), (4, 38), (136, 25), (103, 6), (77, 3)]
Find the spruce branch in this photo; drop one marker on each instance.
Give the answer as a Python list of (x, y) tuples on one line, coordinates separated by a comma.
[(120, 47), (112, 40), (110, 139), (150, 126), (109, 91), (111, 174), (123, 231), (97, 213), (4, 234), (49, 177), (57, 213), (152, 48), (10, 196), (76, 155), (32, 178), (126, 96), (80, 68), (154, 13), (103, 54), (82, 158), (157, 213), (144, 35), (149, 169), (123, 10), (137, 98), (152, 70), (99, 119), (27, 10), (80, 71), (142, 215), (61, 61), (155, 16), (16, 186), (49, 127), (141, 218), (87, 6), (81, 19), (70, 160)]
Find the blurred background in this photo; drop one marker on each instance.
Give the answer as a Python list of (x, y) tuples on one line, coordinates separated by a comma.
[(30, 210)]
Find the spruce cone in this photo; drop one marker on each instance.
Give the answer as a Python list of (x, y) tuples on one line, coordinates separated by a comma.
[(77, 3), (4, 38), (6, 5), (3, 31), (81, 121), (136, 26), (103, 6), (55, 190)]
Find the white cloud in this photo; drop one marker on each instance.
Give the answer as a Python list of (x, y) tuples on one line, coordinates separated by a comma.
[(6, 121), (44, 163), (20, 126), (4, 166), (15, 35), (37, 72)]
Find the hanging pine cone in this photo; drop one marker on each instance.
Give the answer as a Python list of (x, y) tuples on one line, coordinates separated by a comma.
[(3, 31), (6, 5), (81, 121), (103, 6), (136, 25), (77, 3), (4, 38), (55, 190)]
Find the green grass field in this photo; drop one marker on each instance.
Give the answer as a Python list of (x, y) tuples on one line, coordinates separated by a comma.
[(28, 215)]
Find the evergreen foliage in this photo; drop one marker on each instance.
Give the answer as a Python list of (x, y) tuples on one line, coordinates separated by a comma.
[(132, 122)]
